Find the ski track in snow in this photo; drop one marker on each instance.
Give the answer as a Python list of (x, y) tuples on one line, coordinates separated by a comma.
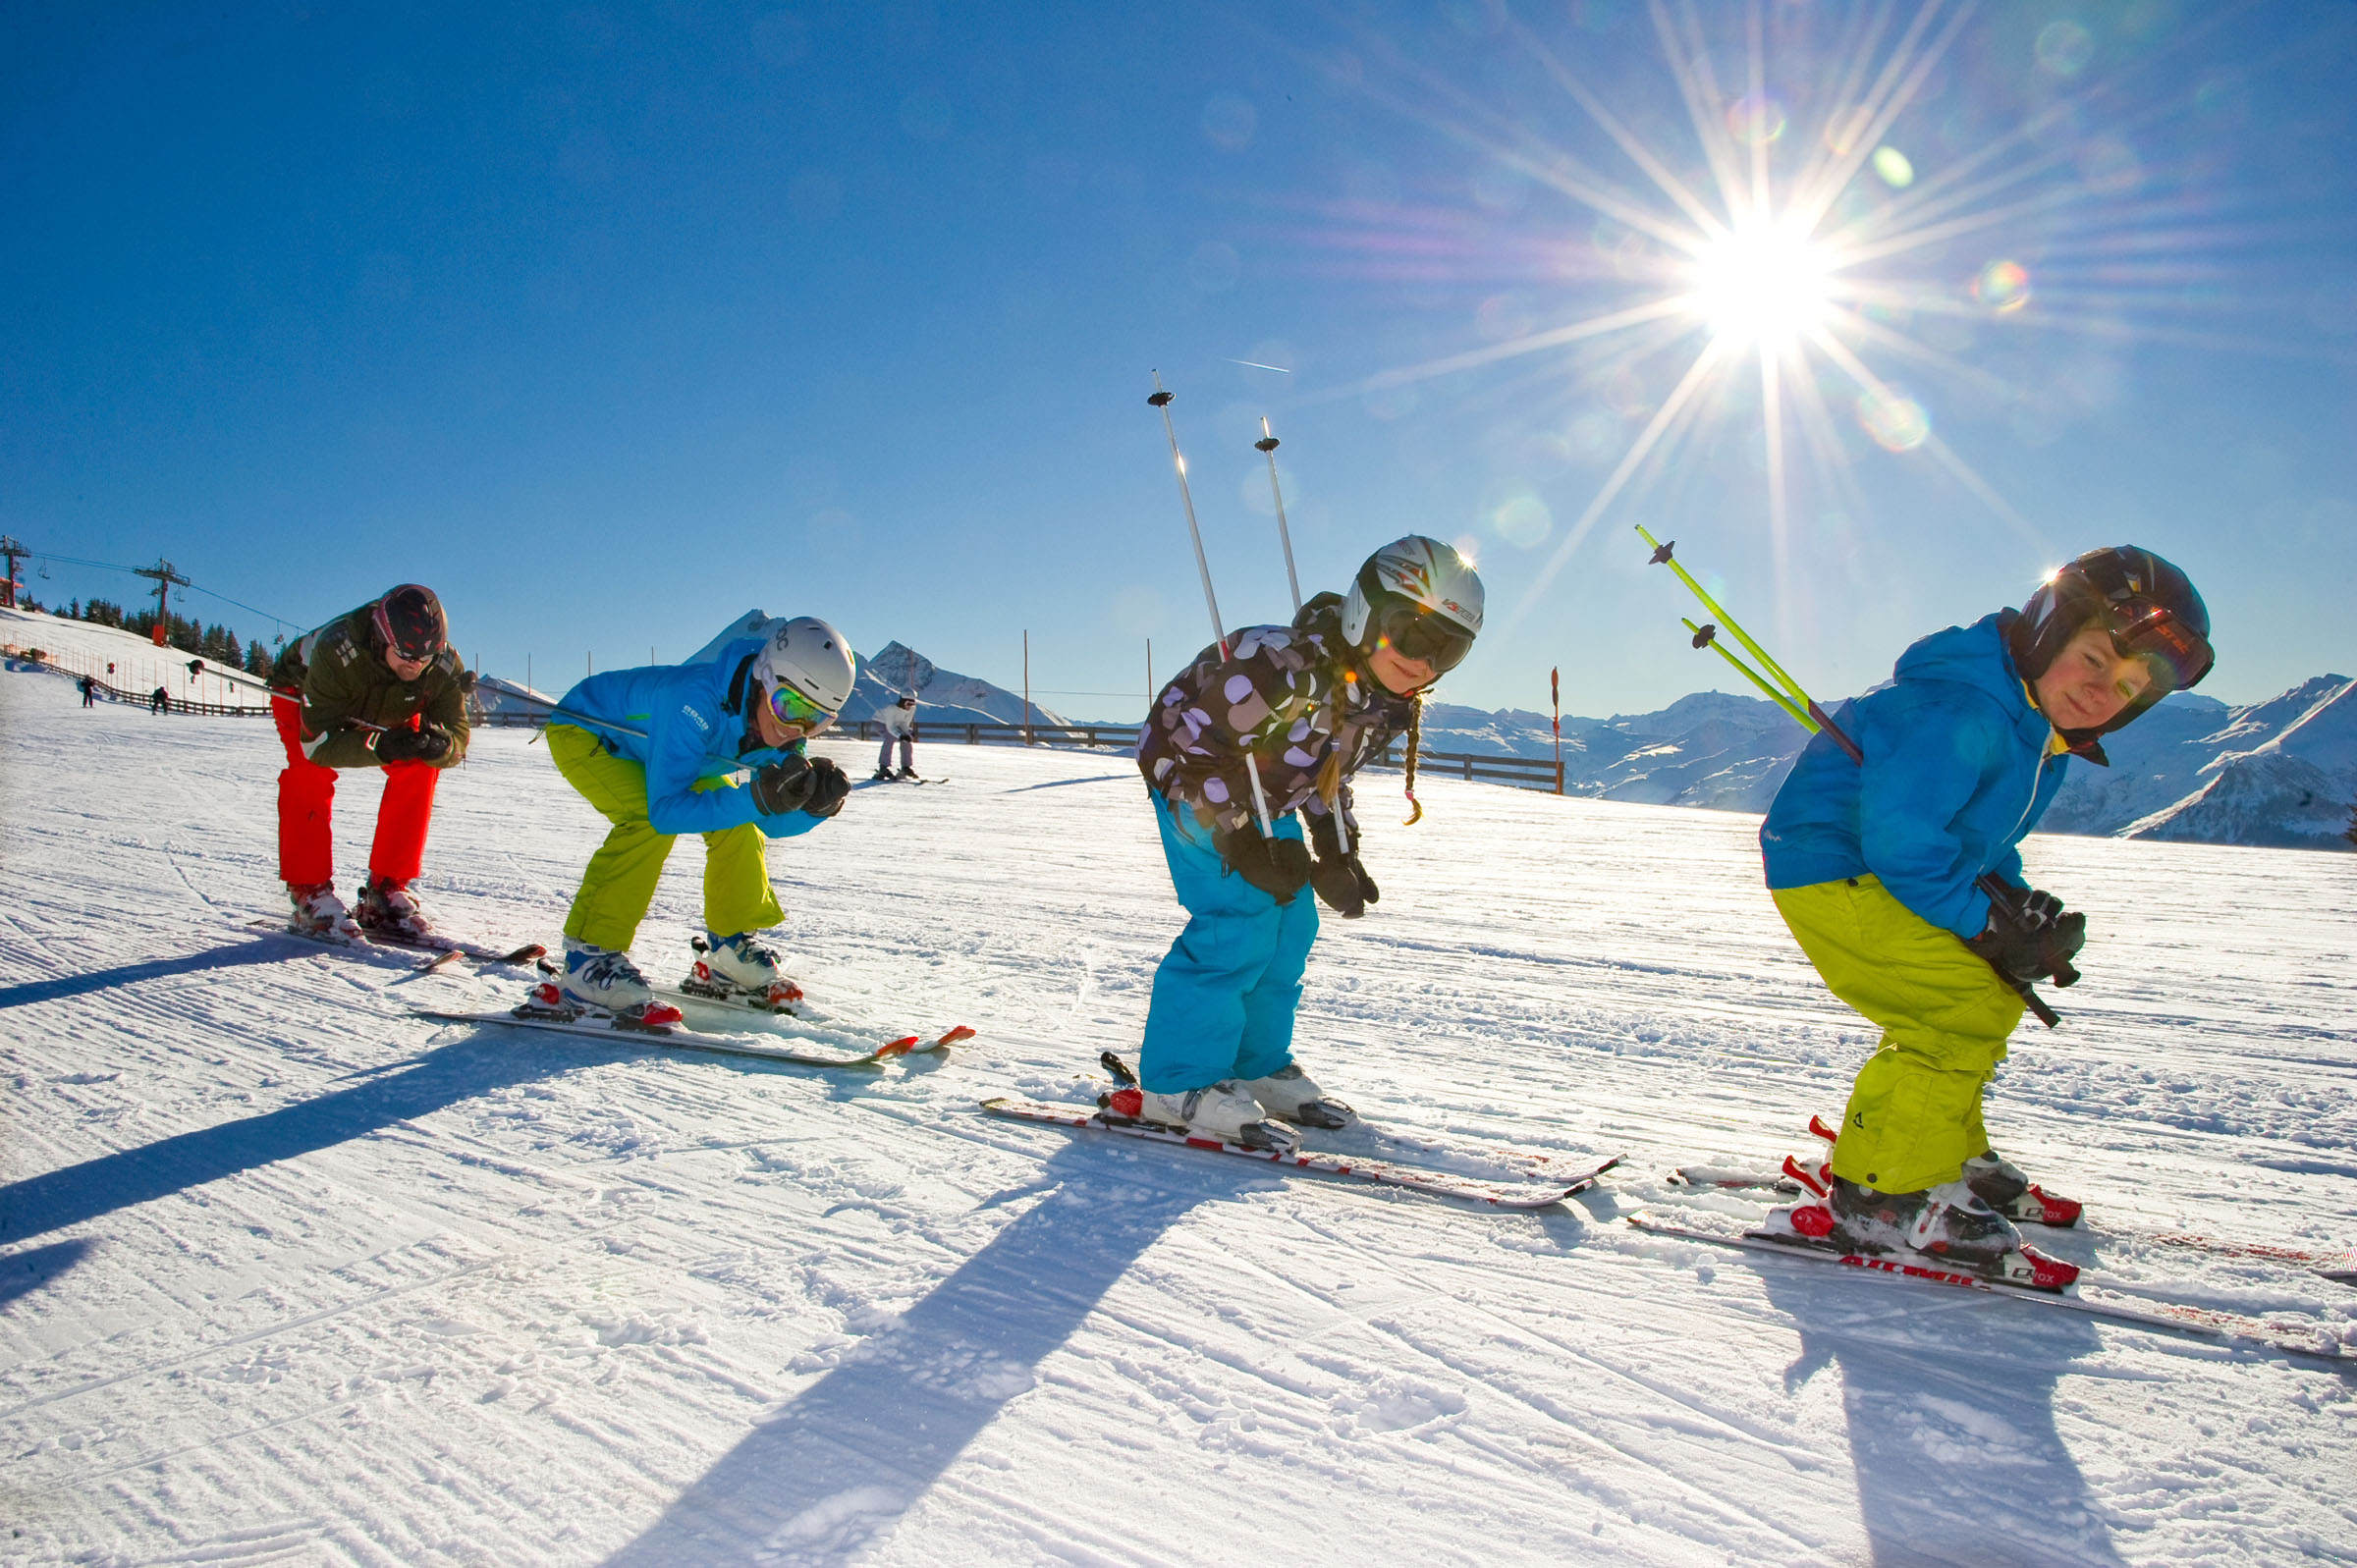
[(289, 1277)]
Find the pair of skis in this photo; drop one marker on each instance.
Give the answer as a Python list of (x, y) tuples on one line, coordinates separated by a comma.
[(1291, 1161), (440, 951), (2088, 1296), (614, 1031)]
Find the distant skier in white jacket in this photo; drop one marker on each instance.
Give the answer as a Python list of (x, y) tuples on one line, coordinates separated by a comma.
[(900, 724)]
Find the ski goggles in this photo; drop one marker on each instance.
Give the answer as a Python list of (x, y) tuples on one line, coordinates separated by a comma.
[(789, 707), (2176, 654), (1420, 635)]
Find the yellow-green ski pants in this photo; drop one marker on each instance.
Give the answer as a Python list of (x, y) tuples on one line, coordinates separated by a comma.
[(620, 879), (1915, 1115)]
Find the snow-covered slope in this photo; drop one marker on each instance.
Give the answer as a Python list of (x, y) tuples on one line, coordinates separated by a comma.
[(290, 1275)]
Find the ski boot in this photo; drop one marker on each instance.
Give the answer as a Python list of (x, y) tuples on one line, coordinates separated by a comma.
[(881, 776), (1997, 1182), (1292, 1095), (318, 912), (1943, 1226), (1994, 1180), (1224, 1110), (599, 980), (905, 772), (389, 909), (739, 968)]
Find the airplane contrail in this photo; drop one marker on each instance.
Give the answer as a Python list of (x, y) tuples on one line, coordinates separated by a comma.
[(1257, 365)]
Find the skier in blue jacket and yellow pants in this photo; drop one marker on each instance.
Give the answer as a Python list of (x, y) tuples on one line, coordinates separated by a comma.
[(656, 751), (1873, 868)]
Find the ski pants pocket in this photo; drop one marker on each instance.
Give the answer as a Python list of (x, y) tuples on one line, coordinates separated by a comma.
[(1914, 1113), (1226, 993), (620, 879)]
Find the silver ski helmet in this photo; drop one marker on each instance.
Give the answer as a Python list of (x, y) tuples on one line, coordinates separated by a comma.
[(2152, 610), (808, 658), (1418, 597)]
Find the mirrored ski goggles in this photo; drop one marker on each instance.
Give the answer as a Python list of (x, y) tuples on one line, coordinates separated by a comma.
[(789, 707), (1424, 637), (2178, 655)]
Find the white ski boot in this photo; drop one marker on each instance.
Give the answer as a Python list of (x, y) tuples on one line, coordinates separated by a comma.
[(603, 978), (1224, 1110), (390, 910), (2000, 1184), (1292, 1095), (318, 912), (741, 968)]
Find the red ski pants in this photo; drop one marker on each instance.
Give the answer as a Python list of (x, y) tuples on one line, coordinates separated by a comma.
[(307, 796)]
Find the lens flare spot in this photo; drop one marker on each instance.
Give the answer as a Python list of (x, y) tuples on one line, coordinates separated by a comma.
[(1896, 421), (1844, 129), (1755, 118), (1522, 518), (1893, 165), (2064, 49), (2002, 285)]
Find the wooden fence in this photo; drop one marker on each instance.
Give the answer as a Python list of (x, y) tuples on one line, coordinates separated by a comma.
[(142, 699)]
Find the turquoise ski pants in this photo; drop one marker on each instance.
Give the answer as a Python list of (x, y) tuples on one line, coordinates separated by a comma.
[(1224, 993)]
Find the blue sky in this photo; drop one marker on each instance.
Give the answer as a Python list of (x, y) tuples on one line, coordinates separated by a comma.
[(613, 322)]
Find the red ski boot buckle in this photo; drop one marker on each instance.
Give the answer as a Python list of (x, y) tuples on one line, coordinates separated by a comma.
[(1126, 1101), (1813, 1221)]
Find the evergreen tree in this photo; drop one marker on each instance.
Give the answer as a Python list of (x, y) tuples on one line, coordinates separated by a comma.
[(2351, 833)]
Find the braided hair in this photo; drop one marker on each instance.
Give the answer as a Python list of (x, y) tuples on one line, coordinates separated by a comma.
[(1415, 738)]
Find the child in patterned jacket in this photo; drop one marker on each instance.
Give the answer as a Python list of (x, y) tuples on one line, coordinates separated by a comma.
[(1273, 722)]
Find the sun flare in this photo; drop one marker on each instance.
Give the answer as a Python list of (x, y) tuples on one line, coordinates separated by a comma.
[(1762, 285)]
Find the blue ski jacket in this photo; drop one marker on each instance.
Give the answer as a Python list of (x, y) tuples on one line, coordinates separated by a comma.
[(1959, 767), (699, 726)]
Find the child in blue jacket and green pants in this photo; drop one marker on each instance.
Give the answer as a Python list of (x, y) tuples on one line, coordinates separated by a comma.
[(1874, 867)]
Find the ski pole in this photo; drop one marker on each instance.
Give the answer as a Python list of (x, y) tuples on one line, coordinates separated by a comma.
[(1267, 446), (1161, 399), (240, 677), (1804, 709)]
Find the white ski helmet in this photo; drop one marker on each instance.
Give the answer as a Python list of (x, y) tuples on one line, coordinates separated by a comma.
[(1419, 597), (809, 658)]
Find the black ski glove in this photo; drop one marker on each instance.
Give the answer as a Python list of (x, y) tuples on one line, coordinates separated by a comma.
[(782, 785), (829, 787), (2032, 937), (1277, 866), (426, 743), (1338, 878)]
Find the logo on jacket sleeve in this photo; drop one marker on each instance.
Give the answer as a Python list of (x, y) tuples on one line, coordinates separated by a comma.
[(696, 719)]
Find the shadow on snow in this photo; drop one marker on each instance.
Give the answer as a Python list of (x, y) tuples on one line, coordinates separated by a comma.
[(1951, 1404), (23, 1273), (95, 1188), (835, 1470), (228, 956)]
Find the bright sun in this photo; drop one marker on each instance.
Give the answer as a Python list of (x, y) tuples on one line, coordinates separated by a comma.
[(1761, 285)]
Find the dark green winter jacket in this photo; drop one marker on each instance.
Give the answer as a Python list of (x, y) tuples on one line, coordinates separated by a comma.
[(341, 671)]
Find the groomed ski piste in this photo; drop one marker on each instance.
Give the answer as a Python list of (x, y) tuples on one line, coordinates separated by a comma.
[(288, 1274)]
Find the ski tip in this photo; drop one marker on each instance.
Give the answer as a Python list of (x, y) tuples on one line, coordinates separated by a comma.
[(438, 960), (1817, 1125), (897, 1048), (953, 1037)]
